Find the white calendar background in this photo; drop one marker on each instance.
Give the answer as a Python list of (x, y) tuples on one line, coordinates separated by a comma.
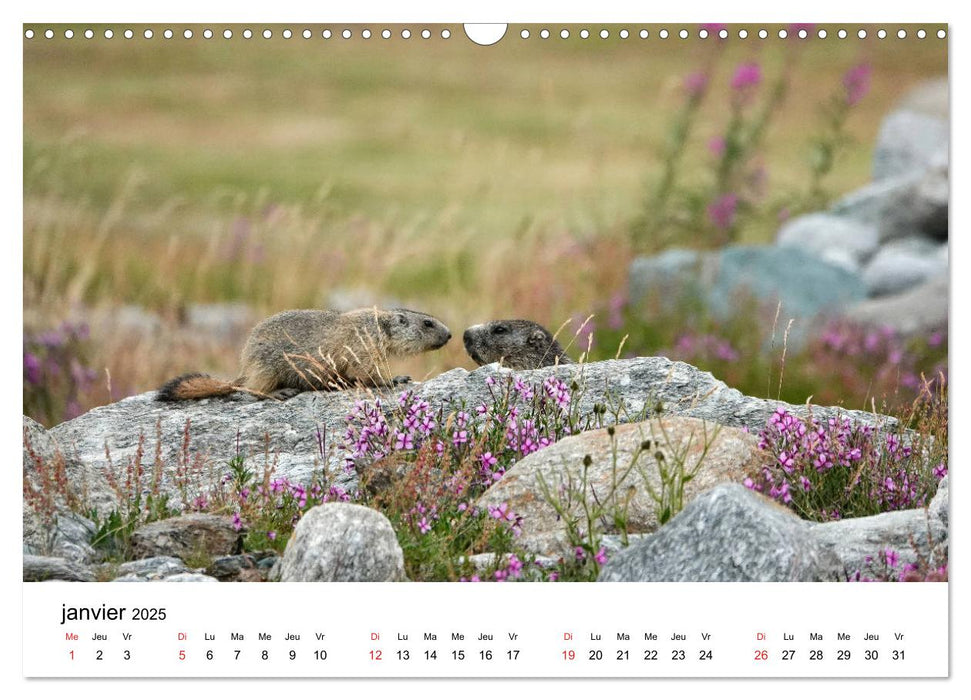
[(486, 630)]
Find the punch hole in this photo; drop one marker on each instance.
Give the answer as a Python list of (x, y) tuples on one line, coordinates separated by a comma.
[(267, 34), (29, 34), (405, 33), (703, 33), (426, 34), (129, 34), (207, 34), (228, 34), (485, 34), (187, 34), (861, 34), (347, 34), (327, 34), (287, 34), (941, 33), (604, 33), (644, 33), (148, 34), (881, 34), (902, 34), (783, 34), (446, 33), (68, 33), (109, 34), (247, 34), (168, 34), (386, 34), (88, 34), (306, 34), (564, 34), (722, 33), (544, 34), (743, 34), (584, 34), (921, 34), (624, 33), (763, 34), (366, 34), (803, 34), (822, 34), (663, 34), (841, 33), (683, 34)]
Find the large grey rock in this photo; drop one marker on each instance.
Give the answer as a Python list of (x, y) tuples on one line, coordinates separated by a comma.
[(50, 526), (931, 97), (615, 479), (191, 535), (838, 240), (805, 284), (907, 142), (912, 534), (305, 432), (903, 264), (37, 568), (342, 542), (920, 310), (727, 534)]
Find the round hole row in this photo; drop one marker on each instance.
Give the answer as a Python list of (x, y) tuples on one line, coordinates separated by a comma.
[(525, 33), (246, 33), (724, 33)]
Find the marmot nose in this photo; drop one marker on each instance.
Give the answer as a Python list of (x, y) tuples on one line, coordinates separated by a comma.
[(448, 336), (467, 337)]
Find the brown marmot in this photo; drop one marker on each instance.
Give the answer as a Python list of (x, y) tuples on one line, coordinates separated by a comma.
[(517, 344), (313, 350)]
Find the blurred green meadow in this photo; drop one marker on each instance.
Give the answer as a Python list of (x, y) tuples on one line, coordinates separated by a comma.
[(469, 182)]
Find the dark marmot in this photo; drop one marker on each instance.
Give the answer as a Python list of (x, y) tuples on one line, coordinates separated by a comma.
[(517, 344), (314, 350)]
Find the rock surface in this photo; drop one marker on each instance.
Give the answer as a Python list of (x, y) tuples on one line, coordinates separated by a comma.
[(37, 568), (342, 542), (908, 141), (151, 569), (304, 432), (903, 264), (920, 310), (835, 239), (62, 533), (184, 536), (727, 534), (803, 283), (624, 483)]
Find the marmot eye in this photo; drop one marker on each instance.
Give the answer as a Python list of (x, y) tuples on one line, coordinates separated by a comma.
[(429, 323), (499, 330)]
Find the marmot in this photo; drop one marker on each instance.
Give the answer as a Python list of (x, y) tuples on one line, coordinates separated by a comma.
[(313, 350), (517, 344)]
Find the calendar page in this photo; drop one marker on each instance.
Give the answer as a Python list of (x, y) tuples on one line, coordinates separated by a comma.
[(548, 350)]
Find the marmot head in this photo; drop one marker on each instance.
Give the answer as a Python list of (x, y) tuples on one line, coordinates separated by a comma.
[(517, 344), (410, 332)]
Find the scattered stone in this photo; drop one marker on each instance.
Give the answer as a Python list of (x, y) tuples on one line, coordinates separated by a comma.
[(670, 277), (727, 534), (838, 240), (731, 456), (342, 542), (907, 143), (151, 569), (239, 567), (938, 508), (190, 578), (920, 310), (54, 569), (903, 264), (186, 536)]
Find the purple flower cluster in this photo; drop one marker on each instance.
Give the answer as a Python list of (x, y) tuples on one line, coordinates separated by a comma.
[(369, 437), (55, 372), (856, 82), (721, 212), (887, 567), (825, 468)]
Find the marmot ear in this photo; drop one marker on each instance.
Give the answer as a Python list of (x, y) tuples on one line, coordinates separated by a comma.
[(538, 339)]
